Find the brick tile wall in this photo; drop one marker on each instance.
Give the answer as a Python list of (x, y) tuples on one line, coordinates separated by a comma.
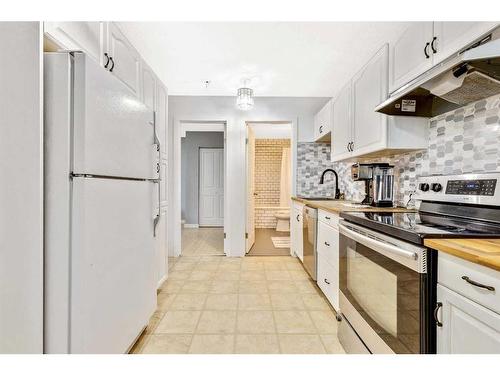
[(267, 179)]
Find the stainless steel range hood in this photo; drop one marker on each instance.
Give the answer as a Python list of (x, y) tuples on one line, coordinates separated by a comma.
[(466, 77)]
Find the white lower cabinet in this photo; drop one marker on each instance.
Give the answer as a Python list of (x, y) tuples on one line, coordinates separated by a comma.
[(328, 281), (468, 307), (328, 257), (467, 327), (296, 231)]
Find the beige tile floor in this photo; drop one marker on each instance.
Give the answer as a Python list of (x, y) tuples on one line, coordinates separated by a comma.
[(264, 245), (253, 305), (202, 241)]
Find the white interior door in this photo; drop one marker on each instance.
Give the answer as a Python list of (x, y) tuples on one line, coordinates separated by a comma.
[(250, 189), (211, 187)]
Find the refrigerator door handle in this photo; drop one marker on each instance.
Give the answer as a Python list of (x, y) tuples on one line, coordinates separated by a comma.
[(156, 139), (158, 180), (158, 215)]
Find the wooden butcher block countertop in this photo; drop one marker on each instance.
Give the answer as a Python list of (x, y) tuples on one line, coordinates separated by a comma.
[(337, 206), (483, 251)]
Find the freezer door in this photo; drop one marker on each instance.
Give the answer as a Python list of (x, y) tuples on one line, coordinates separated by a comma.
[(113, 274), (113, 131)]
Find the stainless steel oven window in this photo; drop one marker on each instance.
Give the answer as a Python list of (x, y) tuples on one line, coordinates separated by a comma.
[(384, 292)]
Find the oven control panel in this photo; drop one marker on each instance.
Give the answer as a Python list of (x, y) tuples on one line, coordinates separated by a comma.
[(467, 188), (472, 187)]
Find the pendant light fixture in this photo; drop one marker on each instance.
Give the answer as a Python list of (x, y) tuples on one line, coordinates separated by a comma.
[(244, 97)]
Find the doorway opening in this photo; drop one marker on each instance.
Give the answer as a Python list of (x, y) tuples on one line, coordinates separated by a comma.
[(269, 187), (202, 191)]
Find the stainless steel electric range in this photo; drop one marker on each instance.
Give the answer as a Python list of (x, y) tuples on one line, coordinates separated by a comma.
[(387, 275)]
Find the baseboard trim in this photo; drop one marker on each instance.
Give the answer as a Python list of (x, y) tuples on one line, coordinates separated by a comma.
[(186, 225), (162, 280)]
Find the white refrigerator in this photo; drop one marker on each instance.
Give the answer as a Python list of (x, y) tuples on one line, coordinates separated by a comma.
[(101, 189)]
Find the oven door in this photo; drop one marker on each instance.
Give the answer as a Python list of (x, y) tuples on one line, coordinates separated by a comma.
[(383, 290)]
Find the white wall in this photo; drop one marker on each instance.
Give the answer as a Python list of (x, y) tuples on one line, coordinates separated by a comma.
[(299, 111), (271, 131), (21, 189)]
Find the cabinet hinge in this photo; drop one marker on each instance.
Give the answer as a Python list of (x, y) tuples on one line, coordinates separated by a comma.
[(246, 141), (224, 235), (246, 235)]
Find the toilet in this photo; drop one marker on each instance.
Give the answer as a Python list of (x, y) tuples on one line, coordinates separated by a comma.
[(282, 221)]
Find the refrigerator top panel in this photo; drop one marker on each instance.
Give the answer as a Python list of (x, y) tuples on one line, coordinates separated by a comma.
[(112, 130)]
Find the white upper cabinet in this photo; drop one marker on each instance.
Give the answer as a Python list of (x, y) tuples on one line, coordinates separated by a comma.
[(79, 36), (451, 37), (359, 131), (422, 45), (148, 86), (125, 61), (323, 122), (369, 88), (342, 126), (411, 54)]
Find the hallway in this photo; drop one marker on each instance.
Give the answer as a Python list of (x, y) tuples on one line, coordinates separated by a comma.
[(202, 241), (265, 305)]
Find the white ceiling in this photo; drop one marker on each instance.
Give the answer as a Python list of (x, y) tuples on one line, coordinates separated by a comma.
[(282, 59)]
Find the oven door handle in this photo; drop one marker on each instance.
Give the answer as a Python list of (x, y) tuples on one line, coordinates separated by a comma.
[(383, 244)]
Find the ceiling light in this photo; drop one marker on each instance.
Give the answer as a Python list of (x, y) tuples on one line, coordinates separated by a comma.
[(244, 98)]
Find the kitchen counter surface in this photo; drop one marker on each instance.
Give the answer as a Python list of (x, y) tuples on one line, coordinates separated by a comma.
[(337, 206), (483, 251)]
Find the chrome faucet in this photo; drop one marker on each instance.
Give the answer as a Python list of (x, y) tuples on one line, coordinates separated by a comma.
[(322, 180)]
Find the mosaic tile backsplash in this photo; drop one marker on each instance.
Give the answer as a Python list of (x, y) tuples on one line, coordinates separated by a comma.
[(466, 140)]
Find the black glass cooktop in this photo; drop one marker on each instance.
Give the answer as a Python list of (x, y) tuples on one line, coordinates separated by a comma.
[(414, 227)]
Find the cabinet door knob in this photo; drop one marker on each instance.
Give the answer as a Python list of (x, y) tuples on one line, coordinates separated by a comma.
[(327, 217), (327, 282), (348, 149), (298, 218), (112, 66), (107, 61), (321, 129), (434, 50), (425, 50), (327, 244), (436, 310)]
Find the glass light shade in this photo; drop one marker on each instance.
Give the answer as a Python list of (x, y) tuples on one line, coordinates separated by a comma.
[(244, 99)]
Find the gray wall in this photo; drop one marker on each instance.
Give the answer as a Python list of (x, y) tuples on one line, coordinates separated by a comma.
[(190, 169), (21, 190)]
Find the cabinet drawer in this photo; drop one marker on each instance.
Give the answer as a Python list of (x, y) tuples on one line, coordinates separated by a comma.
[(453, 270), (329, 218), (328, 281), (328, 244)]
